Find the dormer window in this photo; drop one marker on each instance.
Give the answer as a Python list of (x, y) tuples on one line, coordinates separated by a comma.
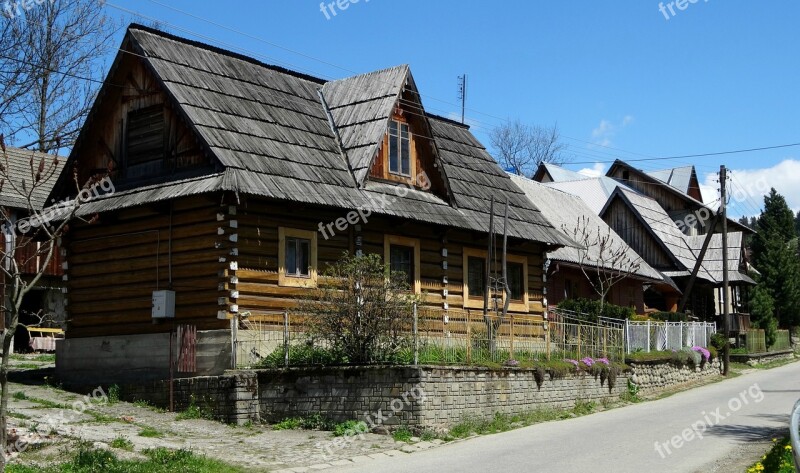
[(399, 148)]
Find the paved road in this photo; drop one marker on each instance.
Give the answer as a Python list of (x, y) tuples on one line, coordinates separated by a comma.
[(734, 413)]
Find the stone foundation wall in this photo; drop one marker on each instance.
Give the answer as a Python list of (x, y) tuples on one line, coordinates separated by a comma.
[(762, 358), (387, 397), (654, 377)]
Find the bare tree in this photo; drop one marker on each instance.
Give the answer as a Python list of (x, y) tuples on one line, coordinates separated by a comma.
[(20, 228), (603, 263), (522, 148), (52, 58)]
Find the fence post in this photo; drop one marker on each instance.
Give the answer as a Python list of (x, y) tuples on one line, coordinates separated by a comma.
[(547, 338), (579, 340), (416, 336), (627, 335), (648, 336), (511, 354), (469, 337), (285, 338)]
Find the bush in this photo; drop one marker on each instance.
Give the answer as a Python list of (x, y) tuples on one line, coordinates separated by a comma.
[(365, 313), (303, 354), (590, 310), (670, 316), (719, 342)]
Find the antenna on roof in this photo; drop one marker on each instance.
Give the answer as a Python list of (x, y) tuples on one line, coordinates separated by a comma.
[(462, 94)]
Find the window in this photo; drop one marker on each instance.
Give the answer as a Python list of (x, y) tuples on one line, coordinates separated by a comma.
[(297, 257), (401, 259), (475, 279), (476, 275), (402, 254), (399, 148), (144, 141), (515, 281)]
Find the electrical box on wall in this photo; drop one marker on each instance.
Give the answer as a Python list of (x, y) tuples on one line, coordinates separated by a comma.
[(163, 304)]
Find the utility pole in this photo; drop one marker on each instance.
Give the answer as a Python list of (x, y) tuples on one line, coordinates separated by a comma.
[(723, 183), (462, 94)]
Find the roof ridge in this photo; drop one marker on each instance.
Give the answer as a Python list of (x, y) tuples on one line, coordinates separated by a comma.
[(379, 71), (225, 52)]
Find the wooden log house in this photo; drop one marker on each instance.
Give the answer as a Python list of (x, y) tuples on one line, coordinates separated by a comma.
[(237, 182)]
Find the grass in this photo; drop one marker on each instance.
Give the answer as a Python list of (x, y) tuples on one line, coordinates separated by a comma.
[(42, 358), (122, 443), (150, 432), (311, 422), (146, 405), (347, 427), (504, 422), (777, 460), (402, 434), (158, 460), (194, 412), (19, 396)]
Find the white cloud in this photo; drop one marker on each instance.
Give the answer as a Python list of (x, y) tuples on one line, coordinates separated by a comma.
[(606, 130), (748, 186), (597, 170)]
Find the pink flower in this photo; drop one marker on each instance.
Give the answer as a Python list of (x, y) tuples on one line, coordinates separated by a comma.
[(706, 353)]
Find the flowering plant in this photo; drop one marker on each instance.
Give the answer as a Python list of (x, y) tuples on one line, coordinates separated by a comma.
[(706, 353), (603, 361), (588, 361), (574, 362)]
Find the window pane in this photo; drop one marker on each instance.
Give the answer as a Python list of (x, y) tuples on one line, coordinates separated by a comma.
[(401, 258), (476, 276), (405, 153), (304, 252), (291, 256), (515, 282), (394, 158)]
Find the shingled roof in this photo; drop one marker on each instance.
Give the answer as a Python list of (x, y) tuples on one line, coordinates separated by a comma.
[(284, 135), (19, 171), (564, 211)]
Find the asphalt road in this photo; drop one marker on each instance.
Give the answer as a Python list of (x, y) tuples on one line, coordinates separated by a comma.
[(722, 419)]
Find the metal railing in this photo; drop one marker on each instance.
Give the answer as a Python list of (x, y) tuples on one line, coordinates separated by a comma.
[(794, 431), (454, 336), (658, 336)]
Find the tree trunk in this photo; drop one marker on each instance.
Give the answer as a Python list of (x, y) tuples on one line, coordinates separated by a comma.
[(7, 338)]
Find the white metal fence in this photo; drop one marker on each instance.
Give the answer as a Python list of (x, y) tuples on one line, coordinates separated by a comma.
[(658, 336)]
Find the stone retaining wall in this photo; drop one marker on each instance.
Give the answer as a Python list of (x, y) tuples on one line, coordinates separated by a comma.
[(762, 358), (386, 397), (654, 377)]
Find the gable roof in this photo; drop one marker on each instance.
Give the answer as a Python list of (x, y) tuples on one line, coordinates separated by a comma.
[(694, 203), (595, 191), (680, 178), (664, 231), (564, 211), (19, 171), (547, 172), (269, 132), (712, 261)]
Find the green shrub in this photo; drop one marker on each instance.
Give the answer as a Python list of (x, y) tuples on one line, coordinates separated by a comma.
[(348, 427), (122, 443), (719, 342), (670, 316), (302, 354), (402, 434), (589, 310)]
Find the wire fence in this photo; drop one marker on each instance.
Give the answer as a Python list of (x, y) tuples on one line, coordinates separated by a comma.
[(650, 335), (756, 341), (454, 336)]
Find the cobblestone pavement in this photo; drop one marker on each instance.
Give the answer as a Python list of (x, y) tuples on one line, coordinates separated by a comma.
[(52, 413)]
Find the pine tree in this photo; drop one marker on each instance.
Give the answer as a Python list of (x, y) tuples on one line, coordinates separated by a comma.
[(762, 309), (797, 223), (776, 260)]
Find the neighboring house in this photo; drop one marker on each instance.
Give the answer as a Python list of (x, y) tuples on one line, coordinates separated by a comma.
[(651, 216), (238, 182), (565, 279), (46, 298)]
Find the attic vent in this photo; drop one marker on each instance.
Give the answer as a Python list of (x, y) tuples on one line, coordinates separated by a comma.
[(145, 137)]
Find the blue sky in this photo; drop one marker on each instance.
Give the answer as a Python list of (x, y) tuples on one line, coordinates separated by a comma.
[(619, 78)]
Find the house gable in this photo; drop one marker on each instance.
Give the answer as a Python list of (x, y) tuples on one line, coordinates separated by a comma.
[(136, 130)]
